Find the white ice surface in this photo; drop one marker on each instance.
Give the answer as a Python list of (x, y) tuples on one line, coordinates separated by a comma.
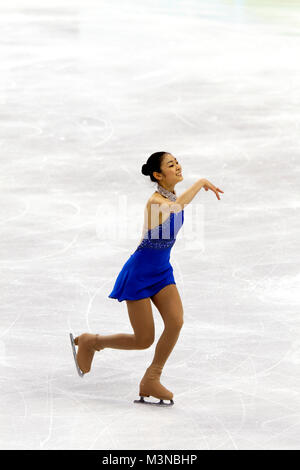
[(88, 90)]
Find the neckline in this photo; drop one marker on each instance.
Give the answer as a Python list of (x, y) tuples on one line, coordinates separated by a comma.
[(166, 193)]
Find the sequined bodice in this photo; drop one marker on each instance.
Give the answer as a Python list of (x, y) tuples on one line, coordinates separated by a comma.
[(163, 235)]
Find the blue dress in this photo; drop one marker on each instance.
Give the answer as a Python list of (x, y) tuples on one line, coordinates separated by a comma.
[(148, 269)]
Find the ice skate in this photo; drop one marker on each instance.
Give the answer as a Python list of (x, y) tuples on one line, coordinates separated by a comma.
[(80, 373), (151, 386), (86, 349)]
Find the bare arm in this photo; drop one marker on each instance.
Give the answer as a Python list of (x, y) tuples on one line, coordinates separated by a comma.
[(186, 197)]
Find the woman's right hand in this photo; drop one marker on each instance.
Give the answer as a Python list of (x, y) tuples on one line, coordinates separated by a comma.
[(207, 185)]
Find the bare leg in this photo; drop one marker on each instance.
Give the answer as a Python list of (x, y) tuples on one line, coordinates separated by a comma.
[(168, 302), (141, 319)]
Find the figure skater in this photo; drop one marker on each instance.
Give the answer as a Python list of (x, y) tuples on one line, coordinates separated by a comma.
[(148, 276)]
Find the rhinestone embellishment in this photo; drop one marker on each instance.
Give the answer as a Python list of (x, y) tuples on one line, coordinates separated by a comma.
[(164, 192), (156, 244), (163, 235), (153, 239)]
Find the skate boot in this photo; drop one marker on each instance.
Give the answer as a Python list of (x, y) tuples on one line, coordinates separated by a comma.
[(150, 385), (87, 345)]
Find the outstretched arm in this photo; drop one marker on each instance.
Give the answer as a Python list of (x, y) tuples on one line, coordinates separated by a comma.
[(188, 195)]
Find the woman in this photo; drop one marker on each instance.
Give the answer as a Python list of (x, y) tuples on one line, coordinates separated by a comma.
[(148, 276)]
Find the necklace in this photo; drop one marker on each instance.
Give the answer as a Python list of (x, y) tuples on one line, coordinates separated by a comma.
[(164, 192)]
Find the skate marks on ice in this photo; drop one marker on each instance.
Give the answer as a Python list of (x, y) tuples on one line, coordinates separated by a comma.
[(80, 373)]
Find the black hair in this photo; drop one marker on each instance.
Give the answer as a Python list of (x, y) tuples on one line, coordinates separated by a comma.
[(153, 164)]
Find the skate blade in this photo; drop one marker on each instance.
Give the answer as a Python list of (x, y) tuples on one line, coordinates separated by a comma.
[(80, 373), (158, 403)]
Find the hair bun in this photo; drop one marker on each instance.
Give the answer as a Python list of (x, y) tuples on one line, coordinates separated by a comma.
[(145, 170)]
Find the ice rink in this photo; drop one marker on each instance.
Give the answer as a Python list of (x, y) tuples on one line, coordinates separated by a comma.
[(88, 91)]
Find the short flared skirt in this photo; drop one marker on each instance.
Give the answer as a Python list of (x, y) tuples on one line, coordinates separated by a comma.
[(144, 274)]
